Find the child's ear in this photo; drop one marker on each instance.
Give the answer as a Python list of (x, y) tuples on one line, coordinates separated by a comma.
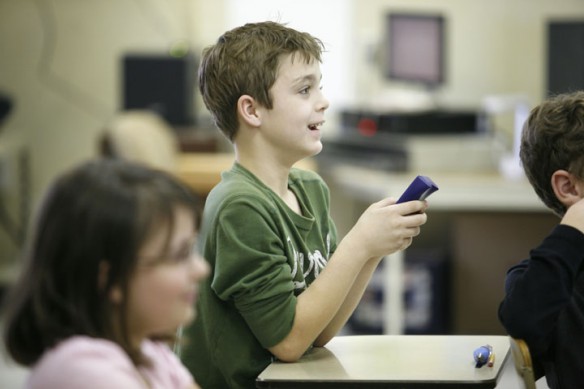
[(566, 187), (115, 294), (102, 274), (247, 110)]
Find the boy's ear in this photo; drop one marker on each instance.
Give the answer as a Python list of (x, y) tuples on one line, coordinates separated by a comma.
[(566, 188), (247, 110)]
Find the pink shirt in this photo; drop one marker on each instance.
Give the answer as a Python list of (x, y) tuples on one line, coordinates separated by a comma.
[(89, 363)]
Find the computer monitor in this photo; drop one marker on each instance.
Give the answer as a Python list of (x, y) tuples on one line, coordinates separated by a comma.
[(161, 83), (414, 48), (565, 56)]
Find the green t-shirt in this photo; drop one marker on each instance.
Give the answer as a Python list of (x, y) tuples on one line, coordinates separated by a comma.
[(262, 255)]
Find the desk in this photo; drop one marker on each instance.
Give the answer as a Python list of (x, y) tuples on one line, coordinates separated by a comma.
[(458, 191), (202, 171), (391, 361)]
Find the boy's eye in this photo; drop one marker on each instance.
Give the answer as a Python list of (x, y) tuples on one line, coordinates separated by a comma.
[(305, 90)]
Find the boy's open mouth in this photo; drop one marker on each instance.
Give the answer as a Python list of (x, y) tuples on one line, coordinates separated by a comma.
[(315, 126)]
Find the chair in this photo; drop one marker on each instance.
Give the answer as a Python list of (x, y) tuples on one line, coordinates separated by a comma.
[(523, 363), (141, 136)]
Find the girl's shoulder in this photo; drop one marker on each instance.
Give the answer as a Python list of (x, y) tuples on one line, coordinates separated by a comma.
[(82, 361), (81, 347)]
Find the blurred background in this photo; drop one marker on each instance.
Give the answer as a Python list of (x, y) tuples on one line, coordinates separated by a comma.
[(436, 87), (416, 86)]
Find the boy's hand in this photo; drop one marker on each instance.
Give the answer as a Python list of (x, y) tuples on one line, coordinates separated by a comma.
[(575, 216), (386, 227)]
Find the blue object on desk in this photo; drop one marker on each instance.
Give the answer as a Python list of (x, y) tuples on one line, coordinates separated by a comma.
[(482, 355)]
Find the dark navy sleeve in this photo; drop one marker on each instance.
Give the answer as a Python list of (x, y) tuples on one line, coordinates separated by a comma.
[(539, 288)]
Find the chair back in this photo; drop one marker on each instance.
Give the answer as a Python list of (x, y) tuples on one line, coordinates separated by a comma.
[(141, 136), (523, 363)]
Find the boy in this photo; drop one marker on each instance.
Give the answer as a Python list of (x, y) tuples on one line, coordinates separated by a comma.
[(544, 302), (280, 281)]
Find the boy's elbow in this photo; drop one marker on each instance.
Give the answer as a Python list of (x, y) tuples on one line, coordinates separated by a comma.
[(287, 351), (519, 323), (322, 340), (289, 358), (508, 318)]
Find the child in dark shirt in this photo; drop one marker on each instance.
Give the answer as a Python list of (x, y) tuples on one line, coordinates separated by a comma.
[(544, 301)]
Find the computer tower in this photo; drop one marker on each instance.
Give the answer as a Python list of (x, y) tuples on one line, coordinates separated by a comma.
[(426, 296), (161, 83), (565, 56)]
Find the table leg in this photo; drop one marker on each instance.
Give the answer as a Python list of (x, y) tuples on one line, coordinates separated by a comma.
[(393, 302)]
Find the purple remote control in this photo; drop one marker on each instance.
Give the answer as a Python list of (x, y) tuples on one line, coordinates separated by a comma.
[(419, 189)]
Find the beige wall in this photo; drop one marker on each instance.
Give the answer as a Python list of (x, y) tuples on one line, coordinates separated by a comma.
[(66, 84), (494, 46)]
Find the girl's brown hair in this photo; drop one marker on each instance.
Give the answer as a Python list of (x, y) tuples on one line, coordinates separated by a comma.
[(99, 212)]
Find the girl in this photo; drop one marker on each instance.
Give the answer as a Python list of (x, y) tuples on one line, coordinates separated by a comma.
[(110, 274)]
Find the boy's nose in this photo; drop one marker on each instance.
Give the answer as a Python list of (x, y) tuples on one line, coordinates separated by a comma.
[(323, 103)]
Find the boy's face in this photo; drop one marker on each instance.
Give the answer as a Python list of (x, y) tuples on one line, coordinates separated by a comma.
[(292, 126)]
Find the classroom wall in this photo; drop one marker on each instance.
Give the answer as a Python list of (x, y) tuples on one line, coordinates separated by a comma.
[(59, 58), (494, 47)]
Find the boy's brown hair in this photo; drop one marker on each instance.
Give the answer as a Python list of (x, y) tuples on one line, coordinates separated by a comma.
[(245, 61), (553, 139)]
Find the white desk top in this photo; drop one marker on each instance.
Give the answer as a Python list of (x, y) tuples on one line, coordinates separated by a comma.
[(391, 361), (458, 191)]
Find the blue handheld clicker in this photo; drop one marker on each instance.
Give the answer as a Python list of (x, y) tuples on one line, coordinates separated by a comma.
[(419, 189)]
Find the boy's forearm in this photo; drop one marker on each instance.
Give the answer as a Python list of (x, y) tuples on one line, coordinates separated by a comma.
[(348, 307), (322, 301)]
